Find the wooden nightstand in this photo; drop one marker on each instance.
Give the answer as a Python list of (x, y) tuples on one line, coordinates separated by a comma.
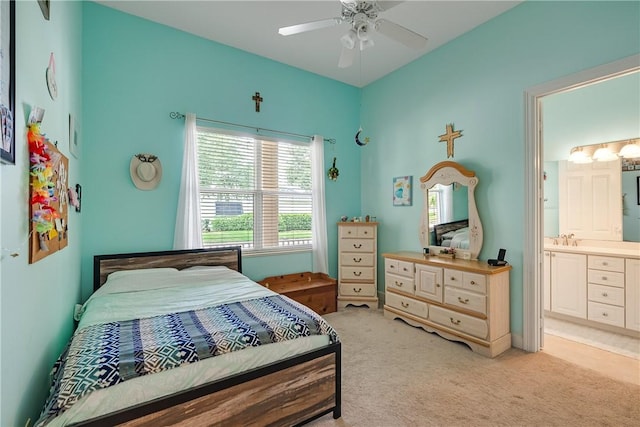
[(315, 290)]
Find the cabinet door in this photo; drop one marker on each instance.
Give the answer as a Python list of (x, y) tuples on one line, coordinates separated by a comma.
[(632, 286), (429, 282), (569, 284), (547, 281)]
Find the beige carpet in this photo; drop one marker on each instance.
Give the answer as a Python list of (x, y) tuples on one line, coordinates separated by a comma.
[(396, 375)]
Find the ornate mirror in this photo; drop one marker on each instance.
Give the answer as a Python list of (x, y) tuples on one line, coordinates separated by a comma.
[(449, 214)]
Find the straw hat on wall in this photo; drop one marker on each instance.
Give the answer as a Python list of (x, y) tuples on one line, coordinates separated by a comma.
[(146, 171)]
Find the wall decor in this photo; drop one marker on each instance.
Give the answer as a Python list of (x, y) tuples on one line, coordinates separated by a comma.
[(7, 82), (74, 139), (402, 191), (333, 171), (638, 188), (44, 7), (449, 136), (48, 196), (51, 77), (145, 170)]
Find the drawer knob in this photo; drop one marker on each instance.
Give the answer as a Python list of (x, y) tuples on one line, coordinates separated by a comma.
[(357, 273), (357, 260), (453, 278), (437, 285), (357, 291), (604, 294), (392, 266), (358, 246), (455, 322), (605, 263), (405, 269), (405, 305), (605, 314), (473, 282), (366, 232), (463, 301), (604, 277), (399, 284)]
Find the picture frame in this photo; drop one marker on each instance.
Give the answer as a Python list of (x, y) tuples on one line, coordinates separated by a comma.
[(7, 82), (74, 137), (402, 191), (44, 7), (638, 188)]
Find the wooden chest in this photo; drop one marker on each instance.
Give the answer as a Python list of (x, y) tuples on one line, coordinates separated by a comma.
[(317, 291)]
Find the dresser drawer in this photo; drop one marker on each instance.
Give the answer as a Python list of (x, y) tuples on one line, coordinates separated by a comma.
[(606, 294), (417, 308), (356, 245), (465, 299), (399, 283), (603, 277), (356, 259), (356, 273), (365, 231), (458, 321), (358, 289), (472, 281), (401, 268), (604, 313), (606, 263)]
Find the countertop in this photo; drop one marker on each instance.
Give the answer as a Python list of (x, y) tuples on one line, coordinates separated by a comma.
[(594, 250)]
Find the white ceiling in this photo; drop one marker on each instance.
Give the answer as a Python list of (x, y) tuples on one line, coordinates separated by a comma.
[(253, 27)]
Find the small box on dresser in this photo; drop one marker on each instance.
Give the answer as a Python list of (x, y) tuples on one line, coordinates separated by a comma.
[(461, 300), (357, 264)]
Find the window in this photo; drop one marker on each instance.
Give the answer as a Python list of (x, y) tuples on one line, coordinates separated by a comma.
[(440, 204), (254, 192)]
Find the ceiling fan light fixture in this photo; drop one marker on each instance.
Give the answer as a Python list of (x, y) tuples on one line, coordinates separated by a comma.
[(366, 43), (349, 39)]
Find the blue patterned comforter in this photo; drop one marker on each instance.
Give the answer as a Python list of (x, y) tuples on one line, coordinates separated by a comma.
[(103, 355)]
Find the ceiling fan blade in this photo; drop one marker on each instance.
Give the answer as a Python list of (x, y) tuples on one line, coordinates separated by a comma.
[(309, 26), (346, 58), (386, 5), (400, 34)]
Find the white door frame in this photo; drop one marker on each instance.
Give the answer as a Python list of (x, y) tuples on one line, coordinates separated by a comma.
[(532, 298)]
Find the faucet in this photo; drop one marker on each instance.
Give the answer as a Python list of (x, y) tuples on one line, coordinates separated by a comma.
[(564, 238)]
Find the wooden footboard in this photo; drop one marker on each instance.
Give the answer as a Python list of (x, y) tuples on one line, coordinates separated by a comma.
[(286, 393)]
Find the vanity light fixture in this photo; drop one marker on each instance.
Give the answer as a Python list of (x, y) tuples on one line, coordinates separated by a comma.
[(604, 154), (626, 148)]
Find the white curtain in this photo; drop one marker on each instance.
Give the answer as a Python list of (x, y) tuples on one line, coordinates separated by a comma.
[(188, 233), (319, 222)]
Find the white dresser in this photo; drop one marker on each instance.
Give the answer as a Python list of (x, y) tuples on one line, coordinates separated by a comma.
[(357, 264), (460, 300)]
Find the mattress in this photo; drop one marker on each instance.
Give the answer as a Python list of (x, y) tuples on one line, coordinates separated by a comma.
[(145, 293)]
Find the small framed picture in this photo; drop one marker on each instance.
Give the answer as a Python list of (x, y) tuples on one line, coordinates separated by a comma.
[(402, 191)]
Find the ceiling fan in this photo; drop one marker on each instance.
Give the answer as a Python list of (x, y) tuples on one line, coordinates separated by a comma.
[(363, 19)]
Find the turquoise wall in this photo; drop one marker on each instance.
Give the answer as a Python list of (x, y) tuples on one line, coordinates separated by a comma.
[(37, 299), (602, 112), (135, 76), (477, 82)]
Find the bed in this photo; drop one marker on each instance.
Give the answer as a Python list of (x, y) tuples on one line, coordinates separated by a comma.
[(290, 380), (453, 234)]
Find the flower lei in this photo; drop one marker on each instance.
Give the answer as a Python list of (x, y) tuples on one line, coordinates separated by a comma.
[(42, 161)]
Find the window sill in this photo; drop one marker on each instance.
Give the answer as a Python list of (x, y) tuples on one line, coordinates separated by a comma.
[(268, 252)]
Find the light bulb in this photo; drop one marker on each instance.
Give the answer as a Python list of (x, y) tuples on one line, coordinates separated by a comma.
[(630, 151), (349, 39), (603, 154), (578, 155)]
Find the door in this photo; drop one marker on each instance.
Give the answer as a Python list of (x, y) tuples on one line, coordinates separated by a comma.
[(429, 282)]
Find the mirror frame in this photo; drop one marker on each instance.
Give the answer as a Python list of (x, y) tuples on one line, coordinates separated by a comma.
[(446, 173)]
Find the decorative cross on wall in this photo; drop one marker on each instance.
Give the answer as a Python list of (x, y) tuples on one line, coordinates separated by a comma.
[(258, 99), (448, 137)]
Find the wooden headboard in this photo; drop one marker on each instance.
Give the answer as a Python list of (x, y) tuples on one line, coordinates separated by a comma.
[(440, 229), (103, 265)]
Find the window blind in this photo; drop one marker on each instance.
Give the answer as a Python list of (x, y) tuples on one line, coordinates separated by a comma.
[(254, 192)]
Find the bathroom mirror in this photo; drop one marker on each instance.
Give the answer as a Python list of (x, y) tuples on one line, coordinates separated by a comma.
[(449, 214)]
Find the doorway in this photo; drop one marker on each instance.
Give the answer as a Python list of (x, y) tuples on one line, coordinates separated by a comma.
[(533, 314)]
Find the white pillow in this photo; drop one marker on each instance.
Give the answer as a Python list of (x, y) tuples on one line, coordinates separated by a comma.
[(137, 280)]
